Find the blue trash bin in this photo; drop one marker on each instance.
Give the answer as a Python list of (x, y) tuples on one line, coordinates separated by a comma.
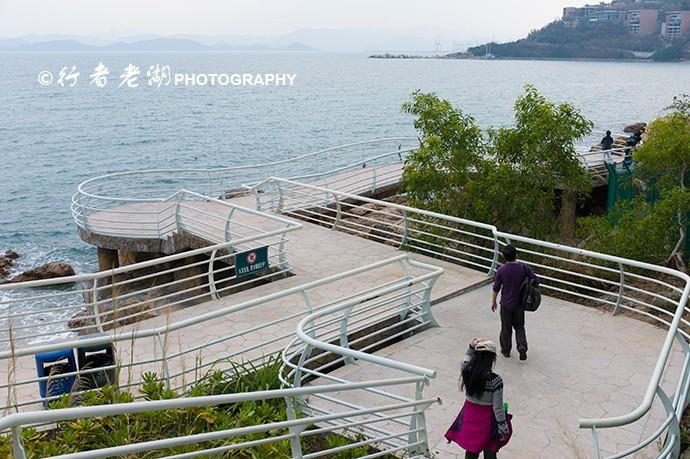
[(52, 364), (90, 357)]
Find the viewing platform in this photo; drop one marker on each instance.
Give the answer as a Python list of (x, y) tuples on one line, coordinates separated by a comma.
[(368, 306)]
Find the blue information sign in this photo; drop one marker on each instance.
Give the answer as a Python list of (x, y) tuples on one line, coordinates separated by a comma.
[(251, 261)]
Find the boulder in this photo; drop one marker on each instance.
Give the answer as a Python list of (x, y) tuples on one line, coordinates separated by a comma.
[(6, 262), (635, 127), (47, 271), (236, 193)]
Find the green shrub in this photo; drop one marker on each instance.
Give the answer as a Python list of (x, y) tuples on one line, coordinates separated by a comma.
[(109, 431)]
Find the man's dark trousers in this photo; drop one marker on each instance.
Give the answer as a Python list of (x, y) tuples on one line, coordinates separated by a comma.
[(513, 318)]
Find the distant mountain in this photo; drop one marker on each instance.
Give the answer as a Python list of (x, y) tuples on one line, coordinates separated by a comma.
[(158, 44), (56, 45), (150, 44), (359, 40)]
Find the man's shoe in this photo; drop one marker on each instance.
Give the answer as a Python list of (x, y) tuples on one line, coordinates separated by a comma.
[(523, 355), (506, 354)]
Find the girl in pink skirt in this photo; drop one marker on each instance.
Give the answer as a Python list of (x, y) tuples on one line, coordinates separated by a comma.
[(483, 424)]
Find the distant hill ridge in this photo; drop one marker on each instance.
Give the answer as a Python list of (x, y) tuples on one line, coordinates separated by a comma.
[(622, 29), (152, 44)]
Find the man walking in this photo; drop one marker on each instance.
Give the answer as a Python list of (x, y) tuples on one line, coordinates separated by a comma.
[(508, 281)]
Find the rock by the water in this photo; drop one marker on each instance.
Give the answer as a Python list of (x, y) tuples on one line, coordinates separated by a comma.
[(635, 127), (236, 193), (47, 271), (6, 262)]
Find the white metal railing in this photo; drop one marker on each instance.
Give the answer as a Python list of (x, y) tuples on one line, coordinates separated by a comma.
[(453, 239), (211, 219), (312, 335), (143, 203), (44, 309), (656, 293)]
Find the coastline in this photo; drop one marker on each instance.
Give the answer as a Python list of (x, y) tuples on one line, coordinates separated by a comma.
[(547, 59)]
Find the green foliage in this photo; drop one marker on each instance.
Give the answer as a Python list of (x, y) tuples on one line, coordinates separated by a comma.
[(542, 143), (655, 231), (103, 432), (638, 229), (664, 157), (451, 149), (507, 180)]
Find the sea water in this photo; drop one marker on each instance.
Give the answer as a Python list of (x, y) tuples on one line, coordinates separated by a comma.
[(53, 137)]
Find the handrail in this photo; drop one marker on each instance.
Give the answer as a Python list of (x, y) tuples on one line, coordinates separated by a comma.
[(413, 374), (65, 414), (414, 369), (673, 326), (648, 399), (136, 334), (290, 225), (80, 187), (388, 204)]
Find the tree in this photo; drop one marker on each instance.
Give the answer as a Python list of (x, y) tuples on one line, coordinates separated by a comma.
[(451, 151), (665, 158), (509, 179), (542, 145)]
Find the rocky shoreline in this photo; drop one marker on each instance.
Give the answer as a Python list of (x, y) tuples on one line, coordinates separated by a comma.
[(47, 271)]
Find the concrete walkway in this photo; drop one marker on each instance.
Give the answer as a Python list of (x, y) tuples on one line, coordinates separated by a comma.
[(314, 252), (582, 363)]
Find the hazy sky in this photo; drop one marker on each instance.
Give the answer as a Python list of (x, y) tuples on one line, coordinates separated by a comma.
[(463, 19)]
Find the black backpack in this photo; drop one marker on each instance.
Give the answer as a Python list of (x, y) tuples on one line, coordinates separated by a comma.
[(530, 294)]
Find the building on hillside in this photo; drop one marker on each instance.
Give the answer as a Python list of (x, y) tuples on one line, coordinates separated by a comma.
[(602, 15), (642, 22), (676, 25)]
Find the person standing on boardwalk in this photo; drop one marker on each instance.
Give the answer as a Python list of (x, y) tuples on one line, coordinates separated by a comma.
[(508, 282), (606, 144), (483, 426)]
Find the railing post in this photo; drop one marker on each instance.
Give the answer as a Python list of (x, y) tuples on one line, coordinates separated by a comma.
[(373, 180), (212, 277), (281, 203), (338, 211), (406, 229), (344, 341), (295, 442), (674, 426), (282, 259), (595, 440), (408, 299), (621, 289), (426, 306), (96, 311), (178, 219), (227, 235), (257, 200), (494, 261), (418, 422), (18, 451), (306, 352)]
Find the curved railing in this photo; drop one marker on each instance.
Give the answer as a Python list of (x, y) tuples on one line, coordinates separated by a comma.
[(46, 309), (654, 293), (142, 197), (405, 299)]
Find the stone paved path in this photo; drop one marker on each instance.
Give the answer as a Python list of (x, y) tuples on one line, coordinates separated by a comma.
[(582, 364)]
